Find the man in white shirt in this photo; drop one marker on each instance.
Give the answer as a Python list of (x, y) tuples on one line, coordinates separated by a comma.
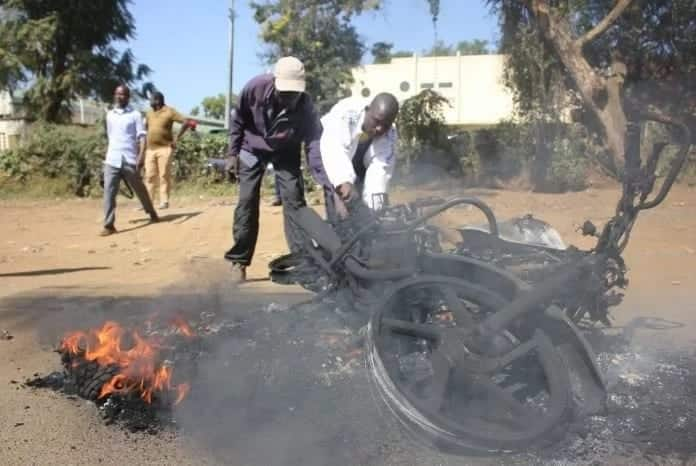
[(358, 150), (124, 157)]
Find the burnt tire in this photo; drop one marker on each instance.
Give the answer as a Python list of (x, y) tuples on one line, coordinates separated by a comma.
[(292, 269), (469, 432), (91, 386)]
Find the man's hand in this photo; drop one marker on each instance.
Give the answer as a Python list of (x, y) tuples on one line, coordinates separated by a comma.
[(232, 165), (346, 191), (341, 209)]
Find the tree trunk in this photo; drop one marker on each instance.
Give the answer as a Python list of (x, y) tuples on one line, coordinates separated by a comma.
[(601, 95)]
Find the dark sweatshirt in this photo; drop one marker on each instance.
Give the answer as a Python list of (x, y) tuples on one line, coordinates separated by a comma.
[(254, 129)]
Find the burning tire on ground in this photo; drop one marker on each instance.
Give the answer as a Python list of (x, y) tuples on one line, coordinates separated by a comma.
[(127, 375), (89, 378)]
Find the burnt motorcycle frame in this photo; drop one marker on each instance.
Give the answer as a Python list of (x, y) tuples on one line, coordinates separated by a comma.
[(376, 261)]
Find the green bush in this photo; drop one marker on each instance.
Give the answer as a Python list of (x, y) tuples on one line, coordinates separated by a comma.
[(193, 152), (425, 150), (69, 153), (569, 165), (74, 155)]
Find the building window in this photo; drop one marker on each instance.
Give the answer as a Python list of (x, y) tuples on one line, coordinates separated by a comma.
[(427, 86), (404, 86), (444, 85), (365, 92)]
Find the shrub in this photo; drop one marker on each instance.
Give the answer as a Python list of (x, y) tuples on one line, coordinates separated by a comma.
[(74, 155), (70, 153), (193, 152), (569, 165)]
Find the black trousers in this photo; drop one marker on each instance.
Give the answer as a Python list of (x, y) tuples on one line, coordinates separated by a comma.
[(245, 230)]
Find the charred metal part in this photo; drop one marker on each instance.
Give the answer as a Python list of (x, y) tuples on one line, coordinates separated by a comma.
[(446, 331), (474, 394), (476, 349)]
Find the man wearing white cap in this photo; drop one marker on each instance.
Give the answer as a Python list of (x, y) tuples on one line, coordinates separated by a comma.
[(273, 118)]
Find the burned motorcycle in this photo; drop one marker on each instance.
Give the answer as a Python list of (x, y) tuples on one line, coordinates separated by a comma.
[(478, 349)]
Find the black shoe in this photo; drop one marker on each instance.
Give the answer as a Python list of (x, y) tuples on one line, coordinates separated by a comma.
[(277, 202)]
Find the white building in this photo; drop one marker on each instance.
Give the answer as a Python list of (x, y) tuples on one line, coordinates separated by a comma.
[(473, 84), (14, 123)]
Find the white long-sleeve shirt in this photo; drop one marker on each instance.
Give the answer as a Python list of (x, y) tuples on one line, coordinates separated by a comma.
[(124, 127), (342, 131)]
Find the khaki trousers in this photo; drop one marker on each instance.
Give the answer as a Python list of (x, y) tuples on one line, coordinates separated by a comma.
[(158, 171)]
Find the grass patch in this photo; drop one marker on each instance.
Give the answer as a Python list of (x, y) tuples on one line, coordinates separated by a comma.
[(34, 188)]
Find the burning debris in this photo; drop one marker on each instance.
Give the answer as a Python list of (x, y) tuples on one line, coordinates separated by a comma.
[(133, 376), (113, 361)]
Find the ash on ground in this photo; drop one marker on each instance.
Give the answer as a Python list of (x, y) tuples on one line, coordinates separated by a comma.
[(650, 418), (129, 412), (286, 385)]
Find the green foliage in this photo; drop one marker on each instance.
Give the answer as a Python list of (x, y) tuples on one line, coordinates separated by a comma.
[(73, 156), (381, 52), (464, 47), (439, 49), (401, 54), (421, 118), (193, 152), (569, 165), (423, 134), (68, 153), (515, 146), (319, 33), (653, 38), (473, 47), (214, 106), (61, 49)]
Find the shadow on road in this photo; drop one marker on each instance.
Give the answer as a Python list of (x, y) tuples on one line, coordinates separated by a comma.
[(36, 273)]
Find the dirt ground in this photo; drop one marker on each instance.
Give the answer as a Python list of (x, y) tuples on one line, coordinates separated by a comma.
[(56, 274)]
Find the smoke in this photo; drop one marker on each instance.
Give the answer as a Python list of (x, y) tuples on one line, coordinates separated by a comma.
[(282, 381), (277, 381)]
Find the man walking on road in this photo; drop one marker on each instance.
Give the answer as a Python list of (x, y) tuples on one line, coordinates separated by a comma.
[(273, 119), (160, 146), (124, 157)]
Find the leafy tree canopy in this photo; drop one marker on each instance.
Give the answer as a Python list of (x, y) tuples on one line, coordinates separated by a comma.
[(60, 49), (319, 33)]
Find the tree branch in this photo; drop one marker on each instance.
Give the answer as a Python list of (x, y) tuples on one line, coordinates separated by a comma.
[(603, 25)]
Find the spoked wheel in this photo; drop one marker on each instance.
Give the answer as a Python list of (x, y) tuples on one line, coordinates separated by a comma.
[(463, 392)]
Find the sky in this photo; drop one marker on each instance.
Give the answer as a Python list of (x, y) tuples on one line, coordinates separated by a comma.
[(185, 42)]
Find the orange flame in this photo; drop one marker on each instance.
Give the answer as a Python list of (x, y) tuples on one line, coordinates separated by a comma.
[(183, 327), (138, 368)]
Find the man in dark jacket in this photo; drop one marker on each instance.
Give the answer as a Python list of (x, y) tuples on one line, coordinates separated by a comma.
[(274, 117)]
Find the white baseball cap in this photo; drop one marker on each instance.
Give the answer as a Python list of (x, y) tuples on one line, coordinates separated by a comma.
[(289, 75)]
